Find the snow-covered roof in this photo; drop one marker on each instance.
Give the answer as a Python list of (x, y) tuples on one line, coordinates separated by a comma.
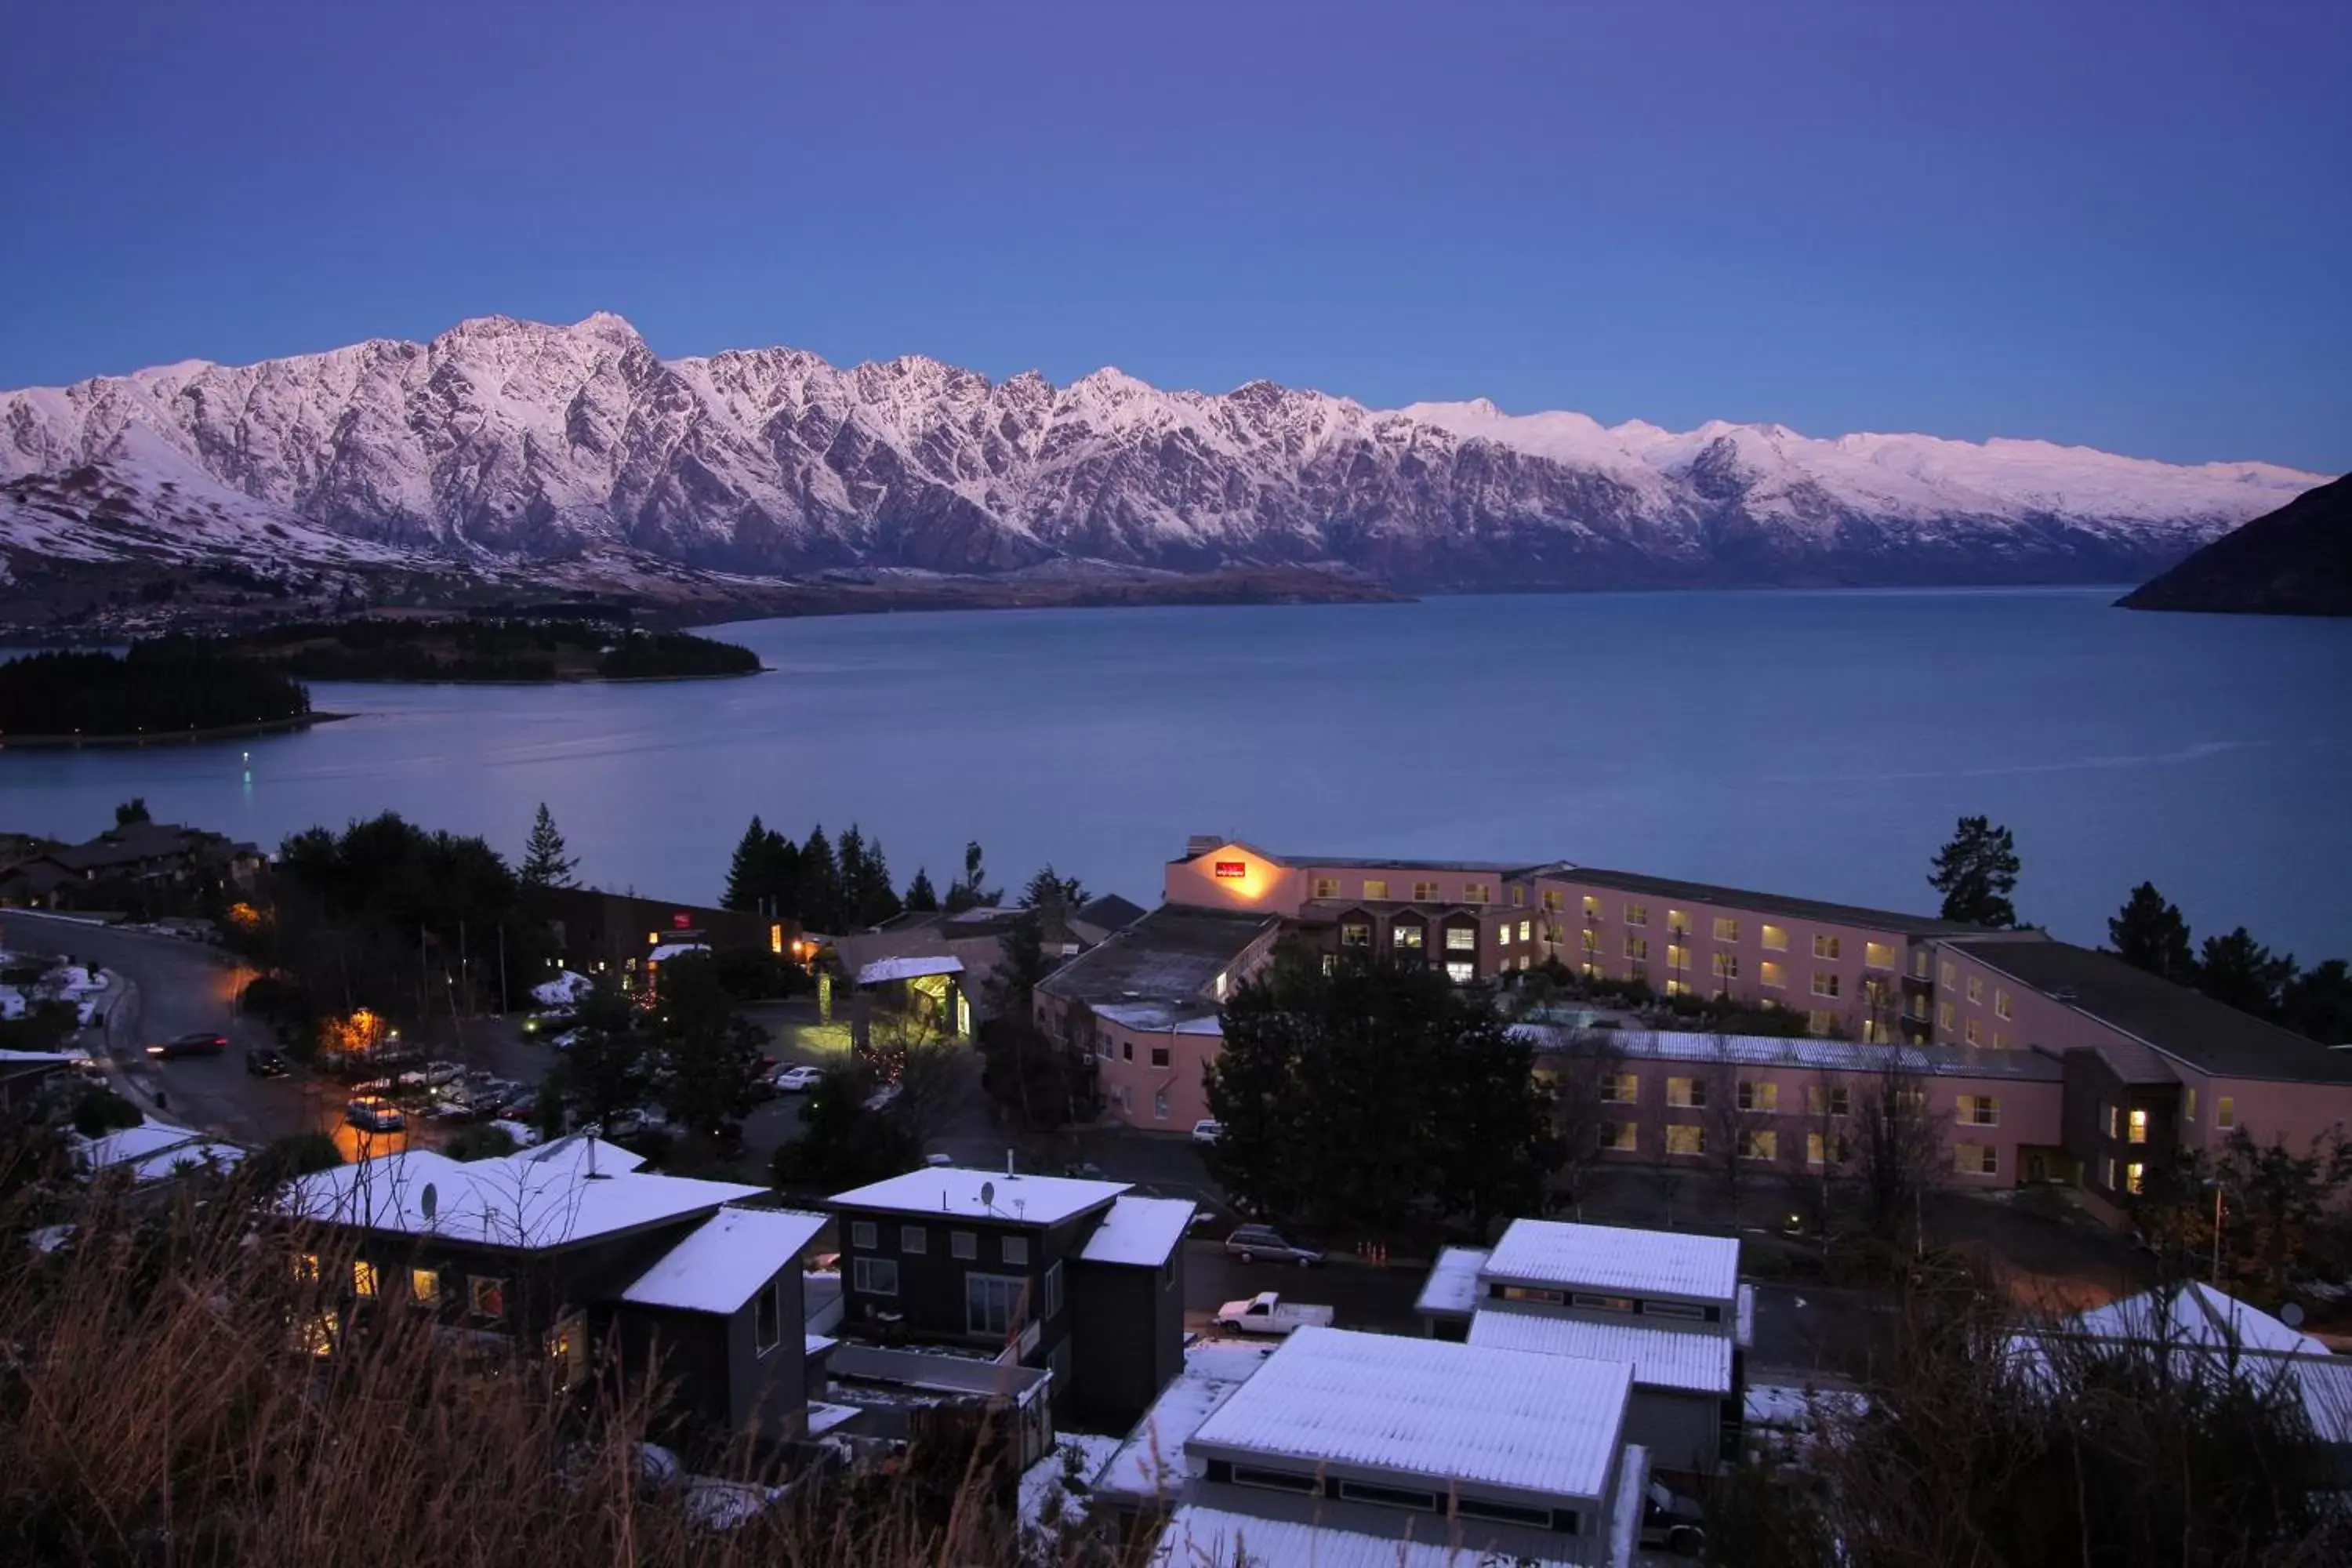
[(1150, 1462), (888, 969), (537, 1198), (1617, 1258), (1804, 1053), (35, 1058), (1197, 1537), (185, 1156), (1139, 1230), (953, 1190), (816, 1345), (129, 1144), (1452, 1286), (724, 1261), (1546, 1425), (1661, 1358)]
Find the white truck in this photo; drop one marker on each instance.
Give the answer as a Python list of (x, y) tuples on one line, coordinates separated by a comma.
[(1268, 1313)]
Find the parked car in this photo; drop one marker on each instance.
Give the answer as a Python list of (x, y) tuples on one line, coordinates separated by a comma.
[(1268, 1313), (797, 1080), (629, 1124), (1672, 1523), (263, 1062), (198, 1045), (1207, 1131), (373, 1113), (432, 1075), (1252, 1242)]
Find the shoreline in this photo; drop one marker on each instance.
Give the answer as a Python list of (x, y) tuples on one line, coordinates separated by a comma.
[(170, 737)]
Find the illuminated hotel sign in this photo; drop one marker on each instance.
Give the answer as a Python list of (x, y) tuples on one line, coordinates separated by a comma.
[(1233, 870)]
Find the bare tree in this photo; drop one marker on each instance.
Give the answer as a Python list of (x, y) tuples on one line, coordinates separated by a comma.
[(1741, 1111), (927, 1076), (1585, 1070), (1895, 1154)]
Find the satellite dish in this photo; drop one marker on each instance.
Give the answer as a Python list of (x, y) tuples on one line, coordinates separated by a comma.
[(2291, 1315), (430, 1201), (988, 1194)]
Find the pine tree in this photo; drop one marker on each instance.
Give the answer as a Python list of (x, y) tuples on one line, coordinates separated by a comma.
[(1976, 872), (2318, 1004), (920, 895), (747, 873), (2241, 971), (2149, 934), (1052, 895), (820, 883), (544, 863), (849, 859), (971, 893), (878, 901)]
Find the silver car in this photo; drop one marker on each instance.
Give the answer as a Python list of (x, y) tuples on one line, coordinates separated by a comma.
[(1252, 1242)]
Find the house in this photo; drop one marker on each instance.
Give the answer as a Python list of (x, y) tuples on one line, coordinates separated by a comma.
[(153, 1151), (141, 857), (614, 935), (1667, 1304), (571, 1245), (24, 1074), (1083, 1279), (1359, 1448)]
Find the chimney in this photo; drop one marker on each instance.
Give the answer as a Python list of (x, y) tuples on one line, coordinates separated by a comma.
[(1200, 844), (1008, 1159)]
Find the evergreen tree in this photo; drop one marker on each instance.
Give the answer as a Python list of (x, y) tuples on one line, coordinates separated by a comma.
[(544, 863), (1976, 872), (780, 860), (2318, 1004), (711, 1051), (971, 891), (842, 1144), (1498, 1140), (2237, 970), (748, 872), (850, 859), (1052, 895), (819, 884), (2149, 934), (131, 811), (877, 901), (919, 894), (605, 1071)]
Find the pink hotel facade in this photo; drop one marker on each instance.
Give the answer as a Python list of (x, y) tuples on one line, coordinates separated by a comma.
[(2057, 1062)]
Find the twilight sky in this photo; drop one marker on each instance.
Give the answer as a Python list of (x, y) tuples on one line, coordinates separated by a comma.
[(2124, 224)]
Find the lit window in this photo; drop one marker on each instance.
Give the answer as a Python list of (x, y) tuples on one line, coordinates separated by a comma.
[(1819, 1148), (1727, 966), (1503, 933), (1726, 929), (1553, 901), (1777, 937), (863, 1234), (1975, 989), (1944, 1016), (1976, 1159), (1974, 1032), (2000, 1040), (1376, 888), (1759, 1096), (1425, 892), (767, 1320), (306, 1269), (1820, 1021), (1327, 887), (1775, 976), (488, 1296), (1518, 896), (1877, 955), (2000, 1004), (1526, 929), (1621, 1138), (875, 1276), (1979, 1110), (963, 1244), (364, 1279), (1591, 940), (2225, 1112), (1831, 1100), (316, 1335), (914, 1239), (1947, 974), (1355, 933), (1825, 946), (1460, 939), (1825, 982), (1461, 974), (1686, 1093), (2139, 1127), (1678, 923), (2188, 1105), (1677, 987), (567, 1347), (1638, 947), (425, 1287), (1621, 1088), (1635, 914), (1763, 1145), (1593, 1301), (1477, 893), (1686, 1139), (1677, 956), (2135, 1174), (1014, 1250)]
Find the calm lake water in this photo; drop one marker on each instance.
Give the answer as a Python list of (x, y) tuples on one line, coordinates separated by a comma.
[(1811, 743)]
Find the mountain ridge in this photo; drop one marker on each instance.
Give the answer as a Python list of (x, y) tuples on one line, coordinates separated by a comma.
[(506, 446), (2296, 560)]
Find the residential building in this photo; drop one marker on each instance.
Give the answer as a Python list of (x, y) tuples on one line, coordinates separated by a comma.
[(557, 1249), (1083, 1279), (137, 860), (1347, 1447), (614, 934)]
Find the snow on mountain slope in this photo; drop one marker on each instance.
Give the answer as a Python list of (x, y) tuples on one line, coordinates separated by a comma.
[(517, 442)]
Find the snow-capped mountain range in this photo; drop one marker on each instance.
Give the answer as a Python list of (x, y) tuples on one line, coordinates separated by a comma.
[(503, 444)]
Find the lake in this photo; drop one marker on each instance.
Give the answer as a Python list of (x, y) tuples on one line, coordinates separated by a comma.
[(1818, 743)]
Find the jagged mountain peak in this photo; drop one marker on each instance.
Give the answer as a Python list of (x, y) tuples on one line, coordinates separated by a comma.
[(523, 440)]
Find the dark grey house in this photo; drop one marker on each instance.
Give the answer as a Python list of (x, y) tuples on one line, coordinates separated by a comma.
[(1081, 1277), (564, 1252)]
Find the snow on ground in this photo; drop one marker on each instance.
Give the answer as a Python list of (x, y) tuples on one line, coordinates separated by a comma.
[(12, 1002), (565, 990), (1043, 1495)]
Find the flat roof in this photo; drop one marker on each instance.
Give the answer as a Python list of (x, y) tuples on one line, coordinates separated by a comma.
[(952, 1192), (1139, 1231), (1195, 1536), (1451, 1288), (723, 1261), (1772, 903), (887, 969), (1806, 1052), (1150, 1462), (1676, 1359), (2184, 1024), (1617, 1258), (1172, 955), (1545, 1425)]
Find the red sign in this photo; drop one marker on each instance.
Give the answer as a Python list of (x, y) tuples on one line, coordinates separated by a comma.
[(681, 922), (1232, 870)]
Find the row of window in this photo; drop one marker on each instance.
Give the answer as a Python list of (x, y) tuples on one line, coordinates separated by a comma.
[(1412, 1499), (1763, 1143), (485, 1297), (994, 1305), (1410, 936), (1375, 889), (1123, 1096), (1594, 1301), (1949, 977), (866, 1236), (1127, 1053)]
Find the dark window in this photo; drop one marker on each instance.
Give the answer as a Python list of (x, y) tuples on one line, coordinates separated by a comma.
[(1275, 1480), (861, 1234), (1127, 1050), (992, 1304), (1160, 1056), (767, 1319), (913, 1238), (876, 1275), (963, 1244), (1014, 1250), (1052, 1289), (1503, 1513), (1388, 1497), (1673, 1310)]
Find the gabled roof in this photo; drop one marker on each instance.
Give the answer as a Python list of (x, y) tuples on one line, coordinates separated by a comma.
[(1109, 911), (949, 1192), (1139, 1231), (724, 1261), (1617, 1258), (1546, 1425), (1451, 1288), (1674, 1359), (2185, 1024)]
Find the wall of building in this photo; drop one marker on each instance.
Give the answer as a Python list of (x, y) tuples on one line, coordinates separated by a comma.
[(1142, 1089), (1126, 1339), (1683, 1432), (1970, 997), (2298, 1112), (1233, 877)]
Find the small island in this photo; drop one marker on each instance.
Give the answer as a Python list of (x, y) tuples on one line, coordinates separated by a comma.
[(153, 693), (532, 651)]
